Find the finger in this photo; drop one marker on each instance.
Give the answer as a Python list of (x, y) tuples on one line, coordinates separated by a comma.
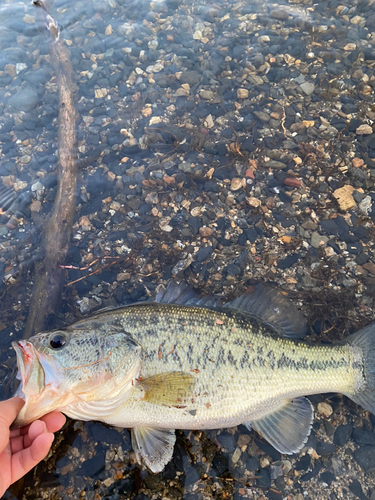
[(36, 428), (8, 412), (18, 443), (26, 459), (54, 421)]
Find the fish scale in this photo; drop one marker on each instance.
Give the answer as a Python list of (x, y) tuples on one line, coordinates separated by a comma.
[(246, 369)]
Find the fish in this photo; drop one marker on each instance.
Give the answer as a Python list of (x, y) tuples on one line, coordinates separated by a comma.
[(184, 361)]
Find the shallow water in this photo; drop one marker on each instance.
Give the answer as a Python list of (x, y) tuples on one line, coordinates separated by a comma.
[(212, 141)]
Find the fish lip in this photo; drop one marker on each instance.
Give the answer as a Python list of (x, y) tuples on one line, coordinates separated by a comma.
[(25, 353)]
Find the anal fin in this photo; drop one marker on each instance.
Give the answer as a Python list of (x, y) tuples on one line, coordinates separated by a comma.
[(153, 446), (288, 427)]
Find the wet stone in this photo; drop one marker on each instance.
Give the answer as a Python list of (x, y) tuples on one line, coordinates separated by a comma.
[(103, 434), (365, 457), (92, 466), (356, 488), (327, 477), (204, 253), (364, 437), (24, 100), (323, 448)]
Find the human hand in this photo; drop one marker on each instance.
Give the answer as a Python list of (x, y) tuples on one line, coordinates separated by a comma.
[(21, 449)]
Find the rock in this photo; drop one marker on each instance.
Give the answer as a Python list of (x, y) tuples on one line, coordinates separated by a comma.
[(279, 14), (280, 468), (190, 77), (152, 198), (235, 184), (274, 164), (365, 457), (262, 116), (24, 100), (204, 253), (318, 241), (364, 437), (364, 129), (291, 181), (205, 232), (324, 408), (207, 94), (253, 202), (357, 162), (242, 93), (365, 205), (344, 197), (233, 270), (307, 87)]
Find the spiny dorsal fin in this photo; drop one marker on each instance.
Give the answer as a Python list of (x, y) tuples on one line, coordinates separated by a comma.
[(170, 388), (154, 446), (272, 307), (288, 427), (184, 294), (264, 303)]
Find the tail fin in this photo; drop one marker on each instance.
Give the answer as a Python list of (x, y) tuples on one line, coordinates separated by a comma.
[(363, 343)]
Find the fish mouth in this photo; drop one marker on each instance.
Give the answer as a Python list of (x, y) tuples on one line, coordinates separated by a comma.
[(30, 370)]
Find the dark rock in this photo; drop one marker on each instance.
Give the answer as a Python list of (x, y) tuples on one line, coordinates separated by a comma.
[(103, 434), (195, 223), (288, 261), (24, 100), (342, 434), (356, 488), (204, 253), (365, 457), (364, 437), (304, 463), (219, 464), (233, 270), (323, 448), (264, 481), (327, 477), (228, 441), (92, 466)]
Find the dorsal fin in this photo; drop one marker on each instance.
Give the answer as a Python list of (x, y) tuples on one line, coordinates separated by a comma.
[(272, 307), (264, 303), (184, 294)]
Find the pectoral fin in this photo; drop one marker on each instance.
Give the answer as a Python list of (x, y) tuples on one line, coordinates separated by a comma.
[(288, 427), (170, 388), (153, 446)]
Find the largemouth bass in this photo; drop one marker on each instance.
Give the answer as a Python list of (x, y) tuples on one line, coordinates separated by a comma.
[(186, 362)]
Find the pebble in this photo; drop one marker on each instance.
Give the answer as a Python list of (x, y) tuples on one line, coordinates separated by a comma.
[(274, 164), (235, 184), (344, 197), (207, 94), (307, 87), (24, 100), (357, 162), (324, 408), (291, 181), (317, 241), (242, 93), (279, 14), (205, 232), (364, 129), (365, 457)]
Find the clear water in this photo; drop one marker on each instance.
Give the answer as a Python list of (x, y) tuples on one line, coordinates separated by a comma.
[(162, 84)]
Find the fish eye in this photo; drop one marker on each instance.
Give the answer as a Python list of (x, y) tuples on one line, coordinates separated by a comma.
[(57, 341)]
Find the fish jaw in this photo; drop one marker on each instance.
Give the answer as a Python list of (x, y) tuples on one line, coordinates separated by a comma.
[(30, 370), (39, 387)]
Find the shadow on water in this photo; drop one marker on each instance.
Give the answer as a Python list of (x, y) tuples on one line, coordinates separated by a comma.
[(226, 143)]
